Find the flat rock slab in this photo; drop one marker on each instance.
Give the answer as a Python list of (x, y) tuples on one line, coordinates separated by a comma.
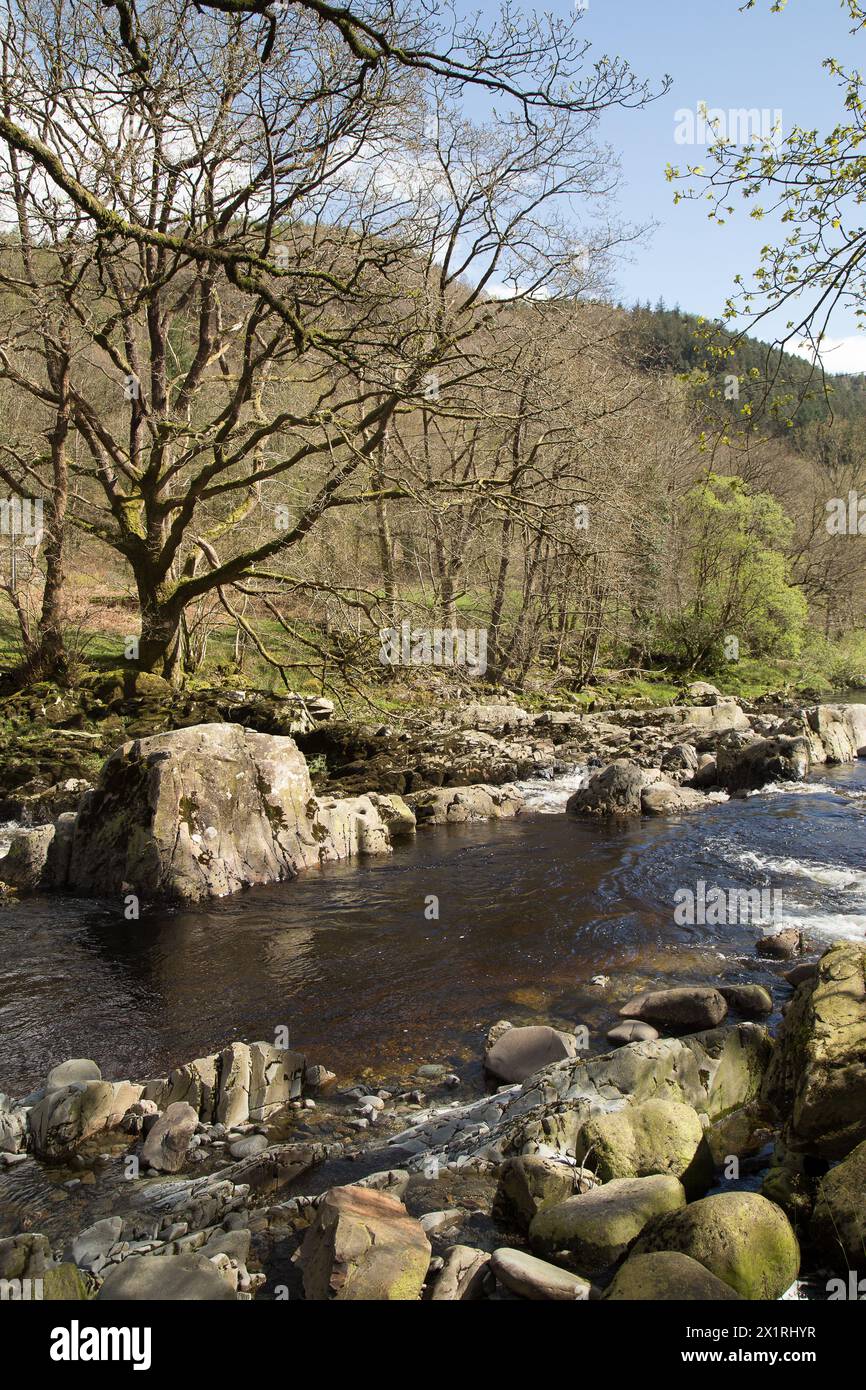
[(168, 1278)]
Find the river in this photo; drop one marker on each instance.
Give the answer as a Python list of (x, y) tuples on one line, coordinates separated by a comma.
[(540, 918)]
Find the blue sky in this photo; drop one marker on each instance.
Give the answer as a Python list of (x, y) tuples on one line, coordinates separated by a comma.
[(730, 59)]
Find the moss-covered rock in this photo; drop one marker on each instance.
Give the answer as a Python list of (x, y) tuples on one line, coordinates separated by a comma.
[(596, 1228), (668, 1276), (838, 1226), (741, 1237), (657, 1136), (528, 1183), (817, 1078), (65, 1282)]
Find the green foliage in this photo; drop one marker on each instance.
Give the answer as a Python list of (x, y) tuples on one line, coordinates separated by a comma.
[(735, 578)]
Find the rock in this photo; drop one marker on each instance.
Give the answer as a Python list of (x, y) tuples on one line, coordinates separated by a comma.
[(634, 1030), (615, 791), (13, 1126), (65, 1283), (206, 810), (454, 805), (667, 1276), (65, 1117), (396, 815), (38, 858), (529, 1182), (750, 766), (597, 1227), (249, 1147), (530, 1277), (800, 973), (194, 1082), (434, 1223), (723, 716), (706, 773), (354, 826), (167, 1144), (24, 1256), (662, 799), (751, 1001), (655, 1136), (317, 1076), (256, 1080), (494, 718), (76, 1069), (276, 1078), (702, 693), (742, 1238), (738, 1135), (520, 1052), (687, 1009), (188, 1277), (840, 732), (838, 1227), (90, 1248), (683, 757), (364, 1245), (463, 1275), (816, 1081), (781, 945)]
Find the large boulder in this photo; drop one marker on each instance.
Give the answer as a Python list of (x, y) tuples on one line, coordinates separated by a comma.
[(748, 766), (667, 1276), (839, 732), (596, 1228), (615, 791), (656, 1136), (364, 1245), (817, 1079), (204, 811), (740, 1237), (519, 1052), (838, 1227), (65, 1117), (685, 1009), (168, 1141)]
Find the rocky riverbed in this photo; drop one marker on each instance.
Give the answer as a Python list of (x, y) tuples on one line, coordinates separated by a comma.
[(718, 1164), (701, 1157)]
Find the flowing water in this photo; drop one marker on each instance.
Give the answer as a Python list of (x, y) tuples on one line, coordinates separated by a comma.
[(350, 959)]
